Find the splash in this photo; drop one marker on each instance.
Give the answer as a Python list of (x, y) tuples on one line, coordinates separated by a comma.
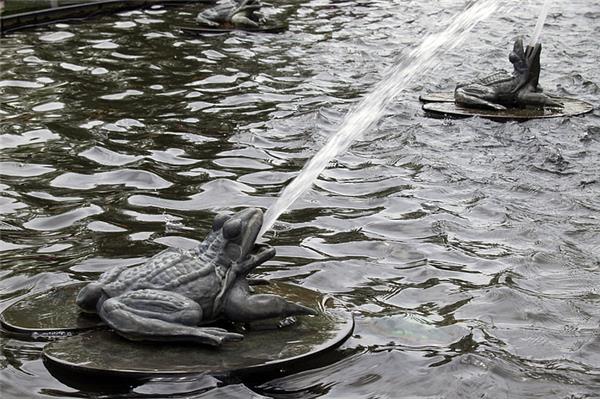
[(540, 24), (372, 107)]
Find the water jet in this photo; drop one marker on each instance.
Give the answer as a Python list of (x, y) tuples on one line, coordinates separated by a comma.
[(372, 107)]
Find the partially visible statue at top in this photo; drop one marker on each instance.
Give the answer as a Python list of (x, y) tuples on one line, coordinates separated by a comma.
[(236, 13), (502, 90)]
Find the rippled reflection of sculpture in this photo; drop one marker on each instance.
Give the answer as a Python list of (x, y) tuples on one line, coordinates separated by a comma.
[(169, 296), (236, 13), (501, 89)]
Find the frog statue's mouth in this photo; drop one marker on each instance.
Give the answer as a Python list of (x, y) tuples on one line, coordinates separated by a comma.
[(256, 253), (261, 253), (240, 232)]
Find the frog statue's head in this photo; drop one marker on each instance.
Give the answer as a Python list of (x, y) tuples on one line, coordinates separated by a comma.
[(526, 63), (234, 239), (242, 8)]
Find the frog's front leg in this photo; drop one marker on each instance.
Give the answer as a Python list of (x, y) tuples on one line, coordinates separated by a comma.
[(538, 99), (159, 315), (243, 306), (475, 95)]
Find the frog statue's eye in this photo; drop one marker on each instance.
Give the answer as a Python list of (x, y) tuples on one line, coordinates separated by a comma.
[(232, 228), (219, 221)]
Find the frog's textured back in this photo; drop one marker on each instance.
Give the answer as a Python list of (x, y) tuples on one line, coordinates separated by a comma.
[(499, 77), (168, 270), (496, 78)]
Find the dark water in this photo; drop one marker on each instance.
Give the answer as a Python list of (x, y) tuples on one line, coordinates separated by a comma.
[(469, 250)]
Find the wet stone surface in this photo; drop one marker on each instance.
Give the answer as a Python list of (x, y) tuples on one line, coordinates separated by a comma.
[(437, 104), (48, 314), (265, 347)]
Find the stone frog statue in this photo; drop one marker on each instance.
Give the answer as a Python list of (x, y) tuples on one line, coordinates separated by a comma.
[(239, 13), (501, 89), (172, 294)]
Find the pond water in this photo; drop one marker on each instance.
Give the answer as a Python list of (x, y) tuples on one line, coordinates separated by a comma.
[(468, 250)]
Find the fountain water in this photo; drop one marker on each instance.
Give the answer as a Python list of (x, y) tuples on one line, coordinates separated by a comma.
[(540, 23), (373, 105)]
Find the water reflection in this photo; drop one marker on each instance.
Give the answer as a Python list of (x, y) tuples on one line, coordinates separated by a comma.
[(467, 249)]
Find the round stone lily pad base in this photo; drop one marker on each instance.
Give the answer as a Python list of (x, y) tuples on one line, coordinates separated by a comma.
[(227, 29), (443, 105), (264, 349), (48, 315)]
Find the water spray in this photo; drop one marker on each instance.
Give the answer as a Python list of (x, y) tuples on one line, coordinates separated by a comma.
[(372, 107), (535, 39)]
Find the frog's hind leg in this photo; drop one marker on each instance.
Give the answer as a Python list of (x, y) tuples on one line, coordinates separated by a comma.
[(89, 297), (243, 306), (243, 21), (205, 21), (470, 97), (158, 315)]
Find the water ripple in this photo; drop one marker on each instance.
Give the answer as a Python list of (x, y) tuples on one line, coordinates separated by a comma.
[(9, 168), (467, 249), (64, 220), (128, 177)]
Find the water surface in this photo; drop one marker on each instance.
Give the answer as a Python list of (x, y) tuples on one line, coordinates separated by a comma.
[(468, 249)]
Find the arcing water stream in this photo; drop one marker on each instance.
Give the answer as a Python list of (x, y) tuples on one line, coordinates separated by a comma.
[(373, 105), (540, 23)]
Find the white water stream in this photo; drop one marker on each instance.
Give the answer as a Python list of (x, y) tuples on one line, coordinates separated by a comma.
[(373, 105), (540, 23)]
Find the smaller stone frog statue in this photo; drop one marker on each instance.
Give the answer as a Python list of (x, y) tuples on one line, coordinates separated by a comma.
[(177, 292), (237, 13), (501, 89)]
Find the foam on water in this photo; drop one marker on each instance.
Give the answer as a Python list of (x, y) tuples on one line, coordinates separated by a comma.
[(373, 105)]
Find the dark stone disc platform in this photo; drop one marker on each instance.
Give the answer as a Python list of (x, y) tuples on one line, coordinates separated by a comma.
[(226, 29), (89, 349), (443, 105), (48, 315)]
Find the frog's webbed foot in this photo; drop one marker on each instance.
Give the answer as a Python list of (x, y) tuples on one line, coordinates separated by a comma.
[(466, 97), (204, 21), (158, 315)]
